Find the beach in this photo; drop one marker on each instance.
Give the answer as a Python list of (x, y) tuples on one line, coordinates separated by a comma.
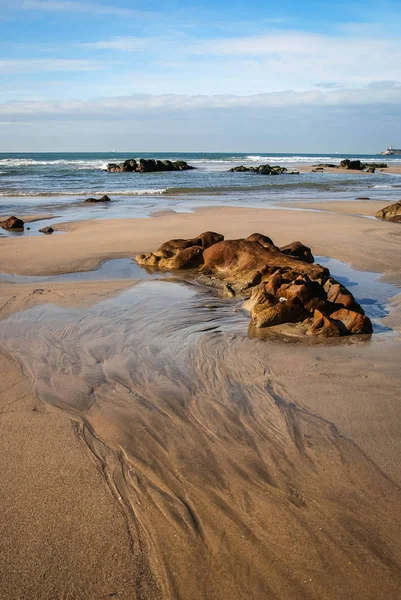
[(169, 454)]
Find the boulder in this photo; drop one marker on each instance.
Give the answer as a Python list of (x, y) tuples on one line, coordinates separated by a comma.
[(47, 230), (298, 250), (352, 321), (180, 253), (287, 311), (94, 200), (12, 223), (390, 211), (323, 326), (355, 165), (242, 260), (148, 165), (338, 294)]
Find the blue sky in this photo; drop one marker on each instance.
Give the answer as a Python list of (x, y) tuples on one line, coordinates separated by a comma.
[(284, 76)]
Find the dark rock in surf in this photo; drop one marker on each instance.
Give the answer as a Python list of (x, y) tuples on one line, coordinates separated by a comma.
[(104, 198), (47, 230), (150, 165)]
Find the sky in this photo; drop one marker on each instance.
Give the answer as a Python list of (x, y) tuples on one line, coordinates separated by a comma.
[(285, 76)]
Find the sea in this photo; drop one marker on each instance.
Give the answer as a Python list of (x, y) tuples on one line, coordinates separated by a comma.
[(58, 183)]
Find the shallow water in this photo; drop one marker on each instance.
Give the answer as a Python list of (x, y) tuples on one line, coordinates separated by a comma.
[(39, 183)]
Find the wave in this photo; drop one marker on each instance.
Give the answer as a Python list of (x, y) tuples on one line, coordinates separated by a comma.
[(30, 162), (387, 187), (145, 192)]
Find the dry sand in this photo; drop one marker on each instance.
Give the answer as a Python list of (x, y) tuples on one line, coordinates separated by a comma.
[(272, 473)]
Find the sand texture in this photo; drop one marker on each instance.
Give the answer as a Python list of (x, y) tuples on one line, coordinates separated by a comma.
[(153, 449)]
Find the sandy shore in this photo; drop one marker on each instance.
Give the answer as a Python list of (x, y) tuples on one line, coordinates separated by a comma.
[(148, 467)]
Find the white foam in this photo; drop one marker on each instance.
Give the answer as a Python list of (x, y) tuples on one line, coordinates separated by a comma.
[(144, 192)]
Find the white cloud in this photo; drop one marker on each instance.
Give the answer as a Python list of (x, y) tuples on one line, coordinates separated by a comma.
[(41, 65), (146, 104), (74, 7)]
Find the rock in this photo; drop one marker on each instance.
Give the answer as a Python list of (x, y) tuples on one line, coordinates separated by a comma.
[(12, 223), (144, 165), (286, 285), (242, 259), (338, 294), (289, 311), (261, 169), (102, 199), (323, 326), (180, 253), (390, 211), (351, 321), (47, 230), (396, 219), (325, 166), (263, 240), (298, 250), (355, 165)]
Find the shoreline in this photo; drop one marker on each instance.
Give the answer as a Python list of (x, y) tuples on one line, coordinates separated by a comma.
[(353, 445)]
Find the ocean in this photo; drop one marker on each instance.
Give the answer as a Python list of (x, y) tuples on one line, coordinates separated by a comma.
[(58, 183)]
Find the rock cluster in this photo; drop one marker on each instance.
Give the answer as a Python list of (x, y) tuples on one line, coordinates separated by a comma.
[(392, 212), (283, 285), (12, 223), (355, 165), (144, 165), (263, 170)]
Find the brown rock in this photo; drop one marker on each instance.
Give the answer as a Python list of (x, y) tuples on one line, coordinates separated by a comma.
[(390, 211), (323, 326), (241, 260), (289, 311), (396, 219), (338, 294), (47, 230), (12, 223), (351, 321), (299, 250), (263, 240)]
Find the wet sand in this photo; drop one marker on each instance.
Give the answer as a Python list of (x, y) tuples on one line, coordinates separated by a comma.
[(273, 472)]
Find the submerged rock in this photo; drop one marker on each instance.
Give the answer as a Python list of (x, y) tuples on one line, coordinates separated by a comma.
[(285, 284), (47, 230), (12, 223), (390, 212), (104, 198), (150, 165)]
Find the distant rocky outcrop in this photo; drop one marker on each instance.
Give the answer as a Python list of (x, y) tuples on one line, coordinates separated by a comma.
[(150, 165), (12, 223), (104, 198), (282, 285), (263, 170), (392, 212), (355, 165)]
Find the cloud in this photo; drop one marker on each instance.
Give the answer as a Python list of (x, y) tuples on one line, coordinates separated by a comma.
[(179, 104), (72, 6), (55, 64)]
